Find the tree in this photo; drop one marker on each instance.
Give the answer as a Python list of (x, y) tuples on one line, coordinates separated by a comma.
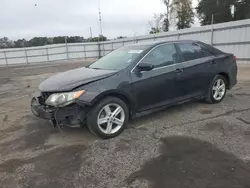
[(59, 40), (220, 10), (182, 13), (242, 9), (156, 24), (97, 39), (154, 30), (102, 38), (6, 43), (38, 41), (41, 41), (165, 25), (75, 39), (20, 43), (160, 22), (3, 42)]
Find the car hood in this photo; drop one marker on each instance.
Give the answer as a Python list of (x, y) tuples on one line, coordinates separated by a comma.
[(69, 80)]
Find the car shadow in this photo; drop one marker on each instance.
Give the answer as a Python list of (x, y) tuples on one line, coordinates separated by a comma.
[(189, 162)]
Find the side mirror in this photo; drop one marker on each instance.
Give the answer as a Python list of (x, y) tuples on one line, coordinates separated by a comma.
[(145, 67)]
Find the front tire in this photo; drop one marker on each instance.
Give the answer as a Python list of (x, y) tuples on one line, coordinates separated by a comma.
[(108, 118), (217, 90)]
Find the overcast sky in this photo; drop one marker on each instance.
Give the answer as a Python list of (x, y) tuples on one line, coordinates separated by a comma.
[(30, 18)]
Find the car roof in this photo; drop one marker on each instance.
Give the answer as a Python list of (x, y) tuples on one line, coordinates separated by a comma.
[(155, 43)]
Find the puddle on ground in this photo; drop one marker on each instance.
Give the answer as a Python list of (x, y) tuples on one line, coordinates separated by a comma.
[(190, 162)]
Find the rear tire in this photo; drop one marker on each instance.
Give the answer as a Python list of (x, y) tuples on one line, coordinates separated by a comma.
[(217, 90), (108, 118)]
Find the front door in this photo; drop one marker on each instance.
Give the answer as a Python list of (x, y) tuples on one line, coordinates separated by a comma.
[(156, 87)]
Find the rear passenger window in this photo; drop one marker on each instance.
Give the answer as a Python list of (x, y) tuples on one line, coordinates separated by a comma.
[(211, 49), (190, 51), (206, 52)]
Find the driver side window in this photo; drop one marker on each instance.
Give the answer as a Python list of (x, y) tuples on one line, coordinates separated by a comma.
[(161, 56)]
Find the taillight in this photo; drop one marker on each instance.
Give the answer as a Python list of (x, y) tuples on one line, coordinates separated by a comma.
[(235, 58)]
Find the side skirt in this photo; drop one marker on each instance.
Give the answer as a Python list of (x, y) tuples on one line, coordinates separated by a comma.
[(143, 113)]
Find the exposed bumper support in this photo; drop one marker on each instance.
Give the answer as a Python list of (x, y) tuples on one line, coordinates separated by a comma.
[(68, 115)]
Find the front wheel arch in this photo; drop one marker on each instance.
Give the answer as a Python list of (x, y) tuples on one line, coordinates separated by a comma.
[(119, 95)]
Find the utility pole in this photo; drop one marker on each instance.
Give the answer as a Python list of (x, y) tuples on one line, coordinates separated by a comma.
[(100, 20), (66, 45), (65, 39), (90, 29), (232, 10), (100, 16), (212, 30)]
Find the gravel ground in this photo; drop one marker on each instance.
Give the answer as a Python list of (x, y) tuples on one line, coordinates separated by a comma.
[(192, 145)]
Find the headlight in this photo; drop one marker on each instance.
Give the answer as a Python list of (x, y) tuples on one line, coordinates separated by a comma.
[(63, 99)]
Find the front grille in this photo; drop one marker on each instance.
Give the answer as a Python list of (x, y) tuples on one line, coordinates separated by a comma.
[(44, 97)]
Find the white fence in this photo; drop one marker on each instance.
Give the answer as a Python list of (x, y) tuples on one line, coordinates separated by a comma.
[(231, 37)]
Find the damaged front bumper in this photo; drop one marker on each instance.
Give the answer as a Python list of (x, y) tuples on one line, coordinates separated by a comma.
[(69, 115), (40, 110)]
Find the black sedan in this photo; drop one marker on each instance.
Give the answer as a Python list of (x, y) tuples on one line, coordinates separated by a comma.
[(134, 79)]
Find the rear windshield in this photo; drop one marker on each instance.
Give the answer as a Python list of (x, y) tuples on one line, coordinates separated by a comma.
[(119, 59), (213, 50)]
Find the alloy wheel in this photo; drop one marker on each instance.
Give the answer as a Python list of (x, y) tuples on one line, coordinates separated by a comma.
[(219, 89), (111, 118)]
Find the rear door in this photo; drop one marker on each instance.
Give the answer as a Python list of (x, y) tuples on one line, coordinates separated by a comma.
[(197, 66), (156, 87)]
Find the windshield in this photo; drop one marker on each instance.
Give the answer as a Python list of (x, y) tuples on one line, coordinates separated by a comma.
[(118, 59)]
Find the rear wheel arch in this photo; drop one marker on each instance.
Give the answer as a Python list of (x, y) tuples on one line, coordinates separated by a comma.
[(226, 76)]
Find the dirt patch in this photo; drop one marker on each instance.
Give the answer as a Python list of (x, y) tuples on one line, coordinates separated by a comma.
[(122, 144), (11, 129), (37, 132), (5, 118), (206, 111), (238, 88), (246, 134), (189, 162), (4, 81), (213, 126), (243, 94), (53, 169), (142, 128)]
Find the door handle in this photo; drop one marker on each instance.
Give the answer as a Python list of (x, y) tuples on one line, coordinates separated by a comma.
[(213, 62), (178, 70)]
